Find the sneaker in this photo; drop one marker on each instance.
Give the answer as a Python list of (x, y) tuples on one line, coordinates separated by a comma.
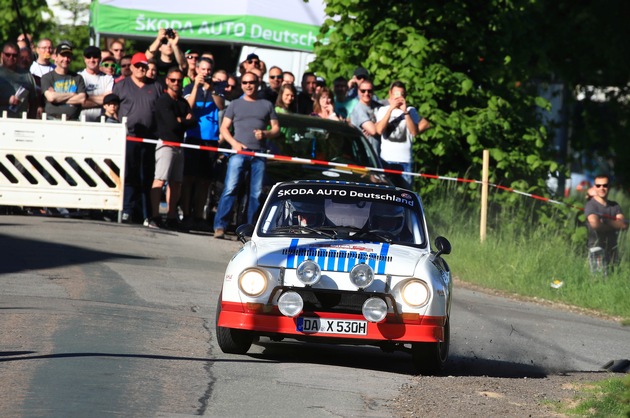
[(125, 218), (219, 233), (154, 223)]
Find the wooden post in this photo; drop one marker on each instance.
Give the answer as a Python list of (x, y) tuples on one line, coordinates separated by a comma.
[(484, 195)]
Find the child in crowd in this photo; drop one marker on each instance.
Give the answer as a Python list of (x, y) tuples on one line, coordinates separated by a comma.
[(111, 103)]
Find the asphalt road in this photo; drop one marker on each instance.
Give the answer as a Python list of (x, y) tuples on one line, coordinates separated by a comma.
[(100, 319)]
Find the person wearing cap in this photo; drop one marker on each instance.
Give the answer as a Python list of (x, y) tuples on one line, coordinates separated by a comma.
[(252, 61), (192, 58), (138, 97), (97, 84), (64, 90), (108, 65), (305, 97), (17, 86), (358, 76), (166, 52), (111, 104)]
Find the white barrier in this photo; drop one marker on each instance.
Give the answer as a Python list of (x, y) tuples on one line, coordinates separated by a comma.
[(66, 164)]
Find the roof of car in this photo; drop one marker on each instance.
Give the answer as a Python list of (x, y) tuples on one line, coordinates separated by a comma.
[(304, 120)]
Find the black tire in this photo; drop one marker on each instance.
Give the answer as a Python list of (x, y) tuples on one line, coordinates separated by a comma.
[(232, 341), (430, 358)]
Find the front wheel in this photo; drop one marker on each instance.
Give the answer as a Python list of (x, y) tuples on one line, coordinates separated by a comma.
[(232, 341), (430, 358)]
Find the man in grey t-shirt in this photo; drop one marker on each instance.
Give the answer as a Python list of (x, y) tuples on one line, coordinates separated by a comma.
[(363, 115), (250, 118)]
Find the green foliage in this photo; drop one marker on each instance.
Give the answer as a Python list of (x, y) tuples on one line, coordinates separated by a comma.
[(34, 14), (529, 244), (460, 68)]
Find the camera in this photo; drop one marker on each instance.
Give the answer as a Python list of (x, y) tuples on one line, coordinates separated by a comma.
[(207, 79), (169, 34), (219, 87)]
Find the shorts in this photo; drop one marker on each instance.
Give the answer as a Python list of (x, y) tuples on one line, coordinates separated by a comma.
[(199, 163), (169, 163)]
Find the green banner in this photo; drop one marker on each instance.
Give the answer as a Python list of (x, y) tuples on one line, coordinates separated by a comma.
[(248, 30)]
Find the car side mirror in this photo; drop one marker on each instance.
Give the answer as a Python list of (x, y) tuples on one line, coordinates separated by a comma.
[(244, 232), (443, 246)]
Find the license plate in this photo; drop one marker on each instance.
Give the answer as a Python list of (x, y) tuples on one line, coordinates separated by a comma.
[(331, 326)]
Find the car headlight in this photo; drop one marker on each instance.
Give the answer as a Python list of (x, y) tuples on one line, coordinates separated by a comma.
[(290, 304), (252, 282), (374, 309), (415, 293), (308, 272), (361, 276)]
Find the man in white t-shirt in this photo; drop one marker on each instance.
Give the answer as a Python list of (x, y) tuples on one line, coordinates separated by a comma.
[(43, 65), (97, 84), (398, 125)]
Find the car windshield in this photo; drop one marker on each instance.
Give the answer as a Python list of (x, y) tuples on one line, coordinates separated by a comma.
[(332, 211), (322, 139)]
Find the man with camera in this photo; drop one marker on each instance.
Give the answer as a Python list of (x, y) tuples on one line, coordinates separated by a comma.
[(206, 100), (165, 51)]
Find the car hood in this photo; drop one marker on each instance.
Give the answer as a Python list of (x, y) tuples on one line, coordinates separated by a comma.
[(339, 255), (280, 171)]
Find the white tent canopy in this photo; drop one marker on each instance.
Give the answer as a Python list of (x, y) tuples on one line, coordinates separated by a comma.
[(283, 24)]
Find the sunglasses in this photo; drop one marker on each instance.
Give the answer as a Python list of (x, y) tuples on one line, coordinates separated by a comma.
[(8, 54), (275, 77), (175, 80), (256, 63), (125, 65), (98, 57), (245, 83), (108, 64), (192, 57), (364, 91), (230, 86), (140, 66), (605, 185)]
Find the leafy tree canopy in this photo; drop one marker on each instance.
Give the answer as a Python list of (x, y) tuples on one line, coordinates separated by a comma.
[(472, 69)]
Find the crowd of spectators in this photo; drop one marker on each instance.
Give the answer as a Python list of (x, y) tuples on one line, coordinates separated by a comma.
[(168, 93)]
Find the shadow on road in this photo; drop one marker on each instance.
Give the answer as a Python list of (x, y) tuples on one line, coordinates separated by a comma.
[(372, 358), (21, 254)]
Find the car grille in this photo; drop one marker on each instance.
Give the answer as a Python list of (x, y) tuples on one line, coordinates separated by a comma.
[(339, 301)]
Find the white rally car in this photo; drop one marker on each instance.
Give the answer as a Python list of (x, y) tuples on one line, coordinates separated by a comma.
[(339, 262)]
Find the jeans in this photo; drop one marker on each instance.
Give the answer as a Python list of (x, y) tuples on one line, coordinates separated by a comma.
[(237, 166), (406, 179)]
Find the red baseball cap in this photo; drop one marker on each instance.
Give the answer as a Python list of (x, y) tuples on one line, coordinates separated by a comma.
[(139, 58)]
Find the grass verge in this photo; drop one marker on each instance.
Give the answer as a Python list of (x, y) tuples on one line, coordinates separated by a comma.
[(525, 253), (608, 398)]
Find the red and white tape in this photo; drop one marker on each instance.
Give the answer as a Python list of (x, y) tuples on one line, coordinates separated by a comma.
[(349, 166)]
